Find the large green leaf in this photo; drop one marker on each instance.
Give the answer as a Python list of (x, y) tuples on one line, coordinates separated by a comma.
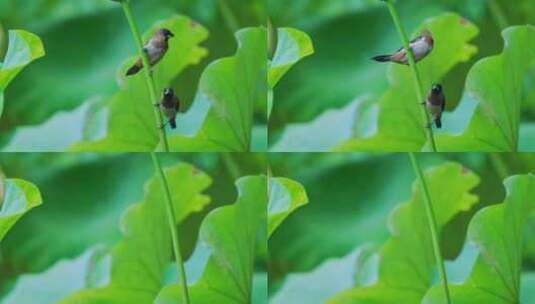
[(498, 233), (19, 197), (232, 87), (23, 48), (84, 46), (285, 196), (496, 83), (325, 281), (60, 280), (329, 128), (232, 232), (146, 248), (292, 46), (399, 105), (131, 125), (407, 263)]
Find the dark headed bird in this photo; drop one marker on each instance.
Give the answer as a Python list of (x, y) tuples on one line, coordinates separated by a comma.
[(435, 104), (420, 46), (155, 50), (170, 106)]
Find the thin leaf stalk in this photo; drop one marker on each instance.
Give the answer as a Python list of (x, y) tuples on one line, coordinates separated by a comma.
[(498, 14), (147, 72), (173, 226), (415, 74), (432, 222), (499, 165), (228, 16)]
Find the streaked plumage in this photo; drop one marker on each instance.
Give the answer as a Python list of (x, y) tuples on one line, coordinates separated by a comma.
[(436, 103), (170, 106), (155, 49), (420, 46)]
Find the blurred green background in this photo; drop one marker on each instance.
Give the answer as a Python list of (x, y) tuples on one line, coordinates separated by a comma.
[(347, 33), (84, 196), (350, 198), (86, 43)]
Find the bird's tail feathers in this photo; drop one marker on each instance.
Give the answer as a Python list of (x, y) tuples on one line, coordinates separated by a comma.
[(438, 122), (134, 69), (382, 58), (172, 123)]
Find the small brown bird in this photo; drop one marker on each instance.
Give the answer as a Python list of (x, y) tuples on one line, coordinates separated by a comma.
[(155, 50), (436, 103), (170, 106), (420, 46)]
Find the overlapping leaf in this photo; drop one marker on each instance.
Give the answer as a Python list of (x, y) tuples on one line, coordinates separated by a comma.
[(23, 48), (63, 278), (400, 126), (19, 197), (496, 84), (85, 43), (232, 232), (498, 232), (285, 196), (292, 46), (407, 263), (140, 259), (131, 125), (232, 86)]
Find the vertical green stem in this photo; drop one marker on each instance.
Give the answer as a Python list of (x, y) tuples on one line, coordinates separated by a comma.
[(232, 166), (173, 226), (498, 14), (228, 16), (415, 74), (271, 38), (148, 74), (432, 226), (499, 165)]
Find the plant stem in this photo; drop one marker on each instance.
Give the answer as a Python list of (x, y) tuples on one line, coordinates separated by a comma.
[(432, 225), (173, 227), (499, 165), (147, 71), (415, 74), (232, 166), (272, 36), (498, 14), (228, 16)]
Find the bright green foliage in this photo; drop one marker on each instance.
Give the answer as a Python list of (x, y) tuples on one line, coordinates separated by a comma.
[(496, 83), (233, 86), (19, 197), (131, 123), (498, 233), (285, 196), (407, 262), (233, 233), (140, 259), (53, 284), (400, 124), (23, 48), (292, 46)]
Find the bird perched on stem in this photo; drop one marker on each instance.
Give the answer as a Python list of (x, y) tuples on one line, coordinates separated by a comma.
[(170, 106), (421, 46), (436, 103), (155, 50)]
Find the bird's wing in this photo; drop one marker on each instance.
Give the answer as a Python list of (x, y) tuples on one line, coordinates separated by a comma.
[(410, 44)]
